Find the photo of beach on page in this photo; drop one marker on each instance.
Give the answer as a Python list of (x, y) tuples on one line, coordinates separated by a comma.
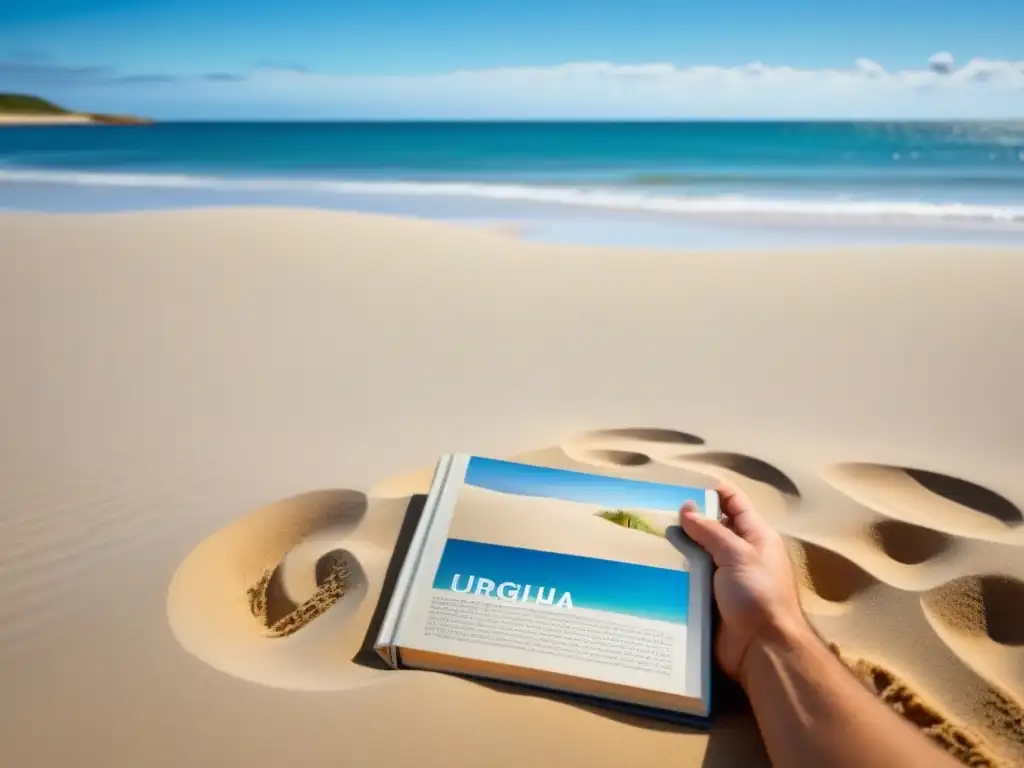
[(575, 573)]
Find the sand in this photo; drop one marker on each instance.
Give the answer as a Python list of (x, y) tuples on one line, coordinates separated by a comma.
[(193, 400), (9, 119), (554, 525)]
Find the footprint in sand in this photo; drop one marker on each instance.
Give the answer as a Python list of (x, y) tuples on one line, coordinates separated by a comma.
[(939, 502), (962, 743), (337, 575), (909, 544), (955, 546), (284, 596), (828, 582), (981, 619), (974, 534), (626, 447), (677, 456)]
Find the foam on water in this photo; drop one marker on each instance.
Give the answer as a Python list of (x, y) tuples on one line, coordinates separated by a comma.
[(592, 197)]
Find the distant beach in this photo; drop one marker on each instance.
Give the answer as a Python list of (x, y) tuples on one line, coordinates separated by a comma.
[(23, 110), (732, 184), (35, 120)]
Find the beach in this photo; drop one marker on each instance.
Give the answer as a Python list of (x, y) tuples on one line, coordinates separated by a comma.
[(192, 397), (556, 525), (30, 120)]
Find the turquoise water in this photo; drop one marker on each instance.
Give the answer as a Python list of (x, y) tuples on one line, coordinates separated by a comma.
[(661, 594), (893, 177)]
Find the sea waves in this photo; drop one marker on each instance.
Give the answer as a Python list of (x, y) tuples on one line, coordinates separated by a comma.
[(616, 198)]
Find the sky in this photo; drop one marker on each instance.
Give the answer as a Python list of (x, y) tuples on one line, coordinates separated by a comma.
[(602, 490), (346, 59)]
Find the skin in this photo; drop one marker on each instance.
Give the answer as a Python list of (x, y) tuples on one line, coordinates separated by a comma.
[(810, 709)]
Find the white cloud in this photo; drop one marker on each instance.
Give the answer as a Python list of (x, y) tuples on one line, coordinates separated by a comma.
[(869, 68), (979, 88), (941, 62), (663, 90)]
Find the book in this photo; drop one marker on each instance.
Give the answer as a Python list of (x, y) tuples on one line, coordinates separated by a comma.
[(569, 581)]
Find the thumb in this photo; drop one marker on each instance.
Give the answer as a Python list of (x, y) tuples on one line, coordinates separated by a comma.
[(724, 546)]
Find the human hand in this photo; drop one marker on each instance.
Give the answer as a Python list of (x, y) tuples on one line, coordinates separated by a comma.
[(754, 585)]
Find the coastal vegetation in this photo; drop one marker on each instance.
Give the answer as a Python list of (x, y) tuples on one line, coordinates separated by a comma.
[(628, 520)]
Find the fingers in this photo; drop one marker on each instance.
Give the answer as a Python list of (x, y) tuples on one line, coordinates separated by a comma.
[(743, 517), (724, 546)]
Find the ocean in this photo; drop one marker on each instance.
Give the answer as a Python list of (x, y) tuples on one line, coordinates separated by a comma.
[(678, 184)]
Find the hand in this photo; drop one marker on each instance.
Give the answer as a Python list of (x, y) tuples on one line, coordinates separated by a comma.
[(754, 584)]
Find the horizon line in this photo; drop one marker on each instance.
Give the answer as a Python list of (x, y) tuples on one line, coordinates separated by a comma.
[(585, 120)]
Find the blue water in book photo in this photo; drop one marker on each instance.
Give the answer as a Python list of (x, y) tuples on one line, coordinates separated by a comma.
[(532, 577), (659, 183)]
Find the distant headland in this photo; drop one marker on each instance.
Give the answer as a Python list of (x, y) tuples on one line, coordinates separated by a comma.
[(21, 109)]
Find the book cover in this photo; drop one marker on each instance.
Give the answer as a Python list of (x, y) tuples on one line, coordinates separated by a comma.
[(567, 580)]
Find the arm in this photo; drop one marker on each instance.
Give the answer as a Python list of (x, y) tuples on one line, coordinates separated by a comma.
[(810, 709)]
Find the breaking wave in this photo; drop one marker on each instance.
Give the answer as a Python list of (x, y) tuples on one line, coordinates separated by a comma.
[(608, 198)]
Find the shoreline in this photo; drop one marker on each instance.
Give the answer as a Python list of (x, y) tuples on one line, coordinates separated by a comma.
[(8, 120), (624, 216), (521, 228), (15, 121), (553, 226)]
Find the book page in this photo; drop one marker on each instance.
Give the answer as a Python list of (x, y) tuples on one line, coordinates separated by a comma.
[(575, 574)]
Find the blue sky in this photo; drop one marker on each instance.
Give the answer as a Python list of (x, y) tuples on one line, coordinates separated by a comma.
[(395, 58), (613, 492)]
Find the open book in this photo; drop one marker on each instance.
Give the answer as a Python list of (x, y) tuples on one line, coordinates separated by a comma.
[(580, 583)]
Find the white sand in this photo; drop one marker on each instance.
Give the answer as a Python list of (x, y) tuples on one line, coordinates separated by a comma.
[(167, 375), (555, 525), (10, 119)]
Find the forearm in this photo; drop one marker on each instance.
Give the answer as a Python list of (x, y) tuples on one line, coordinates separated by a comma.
[(812, 712)]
